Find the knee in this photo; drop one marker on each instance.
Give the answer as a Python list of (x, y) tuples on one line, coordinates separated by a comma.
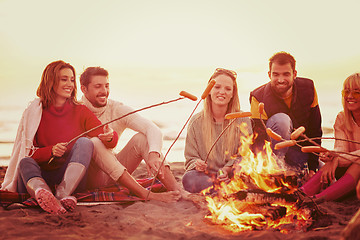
[(96, 141), (281, 123), (139, 138), (195, 182), (86, 143), (187, 182), (140, 141), (281, 120), (27, 163)]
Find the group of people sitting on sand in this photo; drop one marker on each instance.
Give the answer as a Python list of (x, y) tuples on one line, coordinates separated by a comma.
[(50, 162)]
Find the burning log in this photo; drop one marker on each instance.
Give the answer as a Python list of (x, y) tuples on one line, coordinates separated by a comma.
[(284, 182), (261, 197), (268, 210), (272, 212)]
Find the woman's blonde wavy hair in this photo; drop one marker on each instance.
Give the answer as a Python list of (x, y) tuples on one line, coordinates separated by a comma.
[(230, 136)]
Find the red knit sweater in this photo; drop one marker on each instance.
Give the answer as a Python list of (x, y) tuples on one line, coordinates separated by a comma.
[(61, 124)]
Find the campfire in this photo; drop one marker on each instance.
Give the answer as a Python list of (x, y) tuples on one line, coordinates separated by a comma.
[(260, 196)]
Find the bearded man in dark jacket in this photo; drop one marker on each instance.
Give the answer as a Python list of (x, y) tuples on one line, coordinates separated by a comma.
[(289, 102)]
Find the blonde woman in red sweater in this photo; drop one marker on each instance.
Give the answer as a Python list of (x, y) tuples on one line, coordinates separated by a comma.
[(58, 119)]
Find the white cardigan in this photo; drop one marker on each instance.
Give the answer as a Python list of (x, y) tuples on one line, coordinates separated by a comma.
[(28, 126)]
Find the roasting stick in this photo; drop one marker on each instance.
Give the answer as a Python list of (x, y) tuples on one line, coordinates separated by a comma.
[(336, 153), (269, 132), (314, 149), (283, 143), (331, 138), (261, 111), (317, 148), (233, 117), (182, 93), (203, 96), (311, 149)]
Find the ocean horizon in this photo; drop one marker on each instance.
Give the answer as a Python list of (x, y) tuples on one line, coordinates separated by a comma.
[(144, 88)]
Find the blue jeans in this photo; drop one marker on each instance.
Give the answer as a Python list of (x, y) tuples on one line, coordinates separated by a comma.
[(195, 181), (81, 152), (281, 124)]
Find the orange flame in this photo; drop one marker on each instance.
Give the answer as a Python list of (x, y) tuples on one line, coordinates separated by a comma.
[(254, 172)]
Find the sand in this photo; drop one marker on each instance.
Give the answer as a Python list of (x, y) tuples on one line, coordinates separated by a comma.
[(155, 220)]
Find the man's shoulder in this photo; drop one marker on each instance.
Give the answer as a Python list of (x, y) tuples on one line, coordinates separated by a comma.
[(304, 85), (117, 108), (116, 105), (112, 102), (259, 90), (260, 87), (304, 81)]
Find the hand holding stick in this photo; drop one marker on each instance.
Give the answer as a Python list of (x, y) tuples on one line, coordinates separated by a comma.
[(269, 132), (203, 96), (276, 136), (182, 93), (311, 149), (233, 117)]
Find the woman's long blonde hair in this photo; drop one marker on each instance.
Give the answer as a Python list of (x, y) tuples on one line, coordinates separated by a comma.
[(230, 136), (50, 80), (351, 83)]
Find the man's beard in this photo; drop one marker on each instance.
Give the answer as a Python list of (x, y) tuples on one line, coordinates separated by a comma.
[(99, 104), (282, 89)]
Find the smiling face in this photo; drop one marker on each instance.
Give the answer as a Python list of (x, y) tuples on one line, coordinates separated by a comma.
[(351, 99), (282, 79), (97, 92), (223, 90), (65, 86)]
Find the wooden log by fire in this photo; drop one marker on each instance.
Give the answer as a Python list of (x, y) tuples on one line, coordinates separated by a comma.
[(261, 197)]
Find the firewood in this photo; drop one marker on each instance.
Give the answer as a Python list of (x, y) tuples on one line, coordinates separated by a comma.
[(259, 196)]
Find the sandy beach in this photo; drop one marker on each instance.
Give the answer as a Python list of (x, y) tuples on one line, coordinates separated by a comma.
[(155, 220)]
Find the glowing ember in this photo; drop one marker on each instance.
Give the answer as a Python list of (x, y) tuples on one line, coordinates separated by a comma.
[(259, 196)]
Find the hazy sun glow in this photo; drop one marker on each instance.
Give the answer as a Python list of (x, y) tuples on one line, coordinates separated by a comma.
[(241, 35)]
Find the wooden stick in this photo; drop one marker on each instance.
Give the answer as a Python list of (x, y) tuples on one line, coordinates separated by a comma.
[(217, 139), (116, 119), (233, 117), (310, 149), (300, 132), (271, 133), (203, 96), (331, 138)]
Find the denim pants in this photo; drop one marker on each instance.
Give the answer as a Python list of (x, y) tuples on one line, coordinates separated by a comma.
[(195, 181), (281, 124), (81, 152)]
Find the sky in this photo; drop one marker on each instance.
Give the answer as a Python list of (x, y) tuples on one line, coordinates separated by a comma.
[(242, 35)]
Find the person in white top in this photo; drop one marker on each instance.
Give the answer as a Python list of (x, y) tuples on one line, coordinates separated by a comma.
[(146, 144)]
